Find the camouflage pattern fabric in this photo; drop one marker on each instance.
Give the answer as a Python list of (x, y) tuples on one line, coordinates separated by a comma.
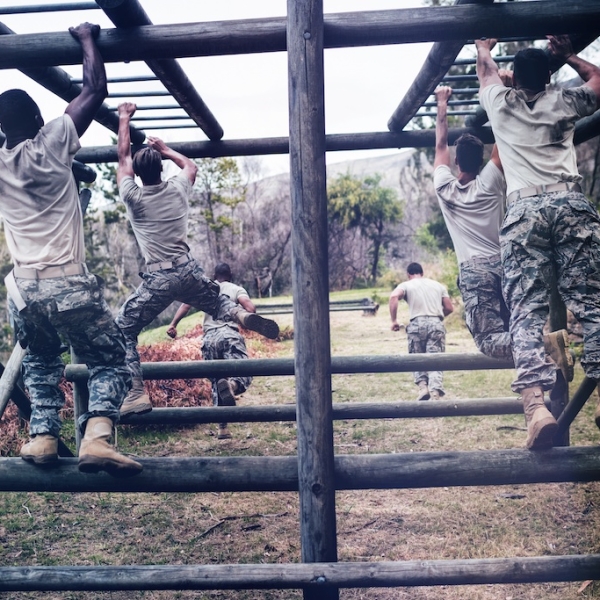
[(225, 343), (427, 335), (486, 314), (547, 238), (72, 307), (185, 283)]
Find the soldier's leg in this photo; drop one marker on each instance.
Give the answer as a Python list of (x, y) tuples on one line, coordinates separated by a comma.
[(212, 350), (416, 345), (235, 349), (435, 343), (486, 313)]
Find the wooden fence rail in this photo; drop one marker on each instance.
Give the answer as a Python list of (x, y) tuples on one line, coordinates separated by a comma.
[(351, 472), (292, 576)]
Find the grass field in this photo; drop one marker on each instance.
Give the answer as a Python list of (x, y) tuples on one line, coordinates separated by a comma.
[(211, 528)]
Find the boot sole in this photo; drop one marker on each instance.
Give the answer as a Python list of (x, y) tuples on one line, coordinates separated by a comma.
[(544, 438), (266, 327), (45, 460), (142, 409), (224, 391), (93, 464)]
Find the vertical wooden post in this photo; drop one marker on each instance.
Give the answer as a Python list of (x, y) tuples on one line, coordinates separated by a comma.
[(310, 286)]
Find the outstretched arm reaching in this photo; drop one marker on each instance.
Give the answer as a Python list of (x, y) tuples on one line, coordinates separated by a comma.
[(442, 152), (126, 110), (487, 69), (84, 107), (187, 165)]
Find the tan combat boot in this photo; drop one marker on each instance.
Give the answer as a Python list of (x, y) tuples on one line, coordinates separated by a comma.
[(541, 425), (137, 401), (98, 454), (436, 394), (226, 390), (556, 345), (41, 449), (423, 391), (223, 432), (254, 322)]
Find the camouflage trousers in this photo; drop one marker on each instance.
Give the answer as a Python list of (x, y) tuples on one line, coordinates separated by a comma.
[(225, 343), (185, 283), (486, 314), (545, 239), (72, 307), (427, 335)]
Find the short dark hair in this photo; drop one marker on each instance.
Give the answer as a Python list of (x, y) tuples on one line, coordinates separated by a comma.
[(414, 269), (147, 164), (223, 270), (532, 69), (17, 109), (469, 153)]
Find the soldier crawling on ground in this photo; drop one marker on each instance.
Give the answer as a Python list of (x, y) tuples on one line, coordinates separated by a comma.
[(222, 340), (158, 211)]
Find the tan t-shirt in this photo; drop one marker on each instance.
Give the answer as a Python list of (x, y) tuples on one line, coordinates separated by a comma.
[(235, 292), (159, 216), (535, 138), (39, 198), (474, 211), (424, 297)]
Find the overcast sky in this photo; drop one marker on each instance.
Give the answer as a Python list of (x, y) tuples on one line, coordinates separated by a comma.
[(248, 93)]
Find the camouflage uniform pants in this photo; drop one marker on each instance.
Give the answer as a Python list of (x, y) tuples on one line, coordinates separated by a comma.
[(486, 314), (72, 307), (224, 343), (547, 238), (427, 335), (184, 283)]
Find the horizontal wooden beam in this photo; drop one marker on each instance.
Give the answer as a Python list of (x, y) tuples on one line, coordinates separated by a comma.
[(302, 575), (370, 28), (424, 138), (341, 411), (404, 363), (280, 473)]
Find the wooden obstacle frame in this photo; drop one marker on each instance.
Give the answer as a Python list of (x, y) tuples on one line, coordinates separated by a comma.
[(316, 473)]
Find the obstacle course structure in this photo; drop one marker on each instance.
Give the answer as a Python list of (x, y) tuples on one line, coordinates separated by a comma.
[(316, 473)]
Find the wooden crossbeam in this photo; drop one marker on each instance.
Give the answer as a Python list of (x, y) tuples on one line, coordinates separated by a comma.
[(371, 28)]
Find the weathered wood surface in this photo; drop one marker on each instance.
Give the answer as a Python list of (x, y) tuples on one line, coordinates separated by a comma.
[(130, 13), (427, 24), (440, 58), (340, 411), (10, 375), (59, 82), (351, 472), (403, 363), (297, 575), (310, 285), (280, 145)]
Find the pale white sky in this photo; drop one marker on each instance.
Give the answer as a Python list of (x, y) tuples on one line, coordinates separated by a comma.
[(248, 93)]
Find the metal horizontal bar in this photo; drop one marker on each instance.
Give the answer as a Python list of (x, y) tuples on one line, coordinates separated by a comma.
[(139, 94), (126, 79), (472, 61), (454, 103), (456, 113), (38, 8), (473, 90), (165, 118), (309, 576), (192, 126), (463, 77), (153, 107)]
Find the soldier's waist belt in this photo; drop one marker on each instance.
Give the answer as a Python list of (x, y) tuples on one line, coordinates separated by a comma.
[(537, 190), (168, 264), (50, 272), (481, 260)]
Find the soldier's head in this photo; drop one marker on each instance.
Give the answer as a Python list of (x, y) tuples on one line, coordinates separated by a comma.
[(469, 153), (223, 272), (414, 269), (20, 116), (531, 69), (147, 165)]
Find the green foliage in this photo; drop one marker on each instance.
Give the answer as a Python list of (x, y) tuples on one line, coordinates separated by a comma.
[(362, 204), (449, 272)]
